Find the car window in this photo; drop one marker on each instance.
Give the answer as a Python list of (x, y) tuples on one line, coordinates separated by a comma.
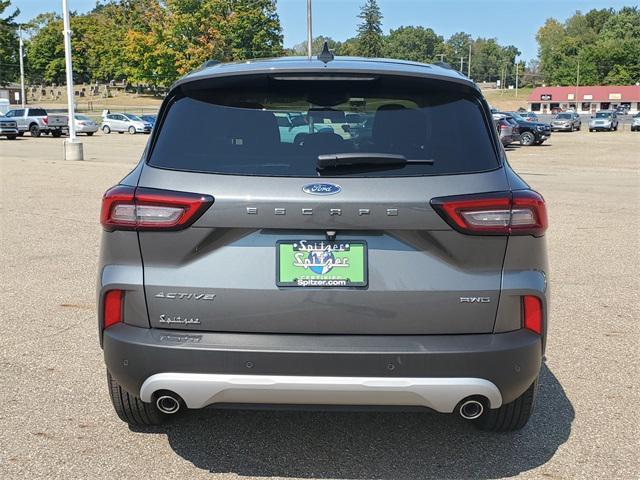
[(37, 112), (235, 130), (82, 117), (565, 115), (133, 118), (283, 121), (603, 115)]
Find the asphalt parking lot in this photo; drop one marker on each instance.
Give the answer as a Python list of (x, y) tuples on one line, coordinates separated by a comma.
[(57, 420)]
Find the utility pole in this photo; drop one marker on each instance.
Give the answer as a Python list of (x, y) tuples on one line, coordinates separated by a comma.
[(517, 78), (461, 63), (22, 97), (577, 83), (309, 30), (72, 148), (469, 64)]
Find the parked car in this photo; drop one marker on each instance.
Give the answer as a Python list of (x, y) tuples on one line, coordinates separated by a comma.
[(515, 128), (36, 121), (531, 133), (504, 128), (604, 120), (124, 122), (623, 110), (529, 116), (556, 110), (294, 128), (150, 119), (407, 270), (566, 122), (635, 123), (85, 124), (8, 127)]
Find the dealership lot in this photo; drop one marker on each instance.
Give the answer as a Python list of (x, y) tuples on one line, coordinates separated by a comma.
[(57, 420)]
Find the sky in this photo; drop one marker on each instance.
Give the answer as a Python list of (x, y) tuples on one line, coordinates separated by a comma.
[(512, 22)]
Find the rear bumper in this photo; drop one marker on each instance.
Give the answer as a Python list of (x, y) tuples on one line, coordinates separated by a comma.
[(351, 369), (440, 394)]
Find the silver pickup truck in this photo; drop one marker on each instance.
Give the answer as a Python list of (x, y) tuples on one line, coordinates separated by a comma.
[(36, 121)]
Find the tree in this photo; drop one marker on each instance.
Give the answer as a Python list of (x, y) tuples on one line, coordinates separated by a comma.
[(9, 58), (316, 46), (417, 44), (370, 38), (605, 43)]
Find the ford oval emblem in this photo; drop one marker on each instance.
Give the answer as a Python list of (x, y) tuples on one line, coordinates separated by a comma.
[(321, 188)]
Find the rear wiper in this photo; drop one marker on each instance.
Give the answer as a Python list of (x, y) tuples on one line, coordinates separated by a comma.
[(332, 160)]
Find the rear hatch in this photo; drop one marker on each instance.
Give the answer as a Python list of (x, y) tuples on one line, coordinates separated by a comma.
[(348, 249)]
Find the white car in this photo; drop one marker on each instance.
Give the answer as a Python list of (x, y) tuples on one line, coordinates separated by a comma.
[(124, 122), (635, 123), (85, 125)]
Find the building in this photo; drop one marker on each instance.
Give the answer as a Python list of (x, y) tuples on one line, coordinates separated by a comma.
[(11, 92), (584, 99)]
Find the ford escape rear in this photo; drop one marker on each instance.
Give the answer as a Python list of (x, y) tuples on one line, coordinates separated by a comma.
[(383, 253)]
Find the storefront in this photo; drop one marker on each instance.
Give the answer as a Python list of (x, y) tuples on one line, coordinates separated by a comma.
[(584, 100)]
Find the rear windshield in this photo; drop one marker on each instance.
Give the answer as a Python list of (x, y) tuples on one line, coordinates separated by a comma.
[(603, 115), (37, 112), (279, 128)]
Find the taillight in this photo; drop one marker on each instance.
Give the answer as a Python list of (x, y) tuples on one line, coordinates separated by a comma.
[(135, 208), (112, 308), (532, 313), (45, 120), (504, 213)]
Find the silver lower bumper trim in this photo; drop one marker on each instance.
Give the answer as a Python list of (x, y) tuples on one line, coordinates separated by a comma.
[(440, 394)]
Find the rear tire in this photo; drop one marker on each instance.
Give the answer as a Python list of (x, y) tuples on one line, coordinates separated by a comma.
[(56, 134), (511, 416), (131, 409), (106, 129), (11, 137), (34, 130)]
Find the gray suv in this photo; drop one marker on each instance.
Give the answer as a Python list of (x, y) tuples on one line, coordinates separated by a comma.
[(403, 267)]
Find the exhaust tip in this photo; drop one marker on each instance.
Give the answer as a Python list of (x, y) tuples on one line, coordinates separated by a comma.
[(471, 409), (168, 404)]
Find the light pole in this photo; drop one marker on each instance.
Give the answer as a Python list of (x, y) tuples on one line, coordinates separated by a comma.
[(72, 148), (577, 83), (517, 78), (22, 97), (309, 30)]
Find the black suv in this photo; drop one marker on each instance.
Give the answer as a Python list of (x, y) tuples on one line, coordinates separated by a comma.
[(531, 133)]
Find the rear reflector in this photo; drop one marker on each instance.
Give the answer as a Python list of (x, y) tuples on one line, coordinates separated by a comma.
[(532, 313), (131, 208), (503, 213), (112, 308)]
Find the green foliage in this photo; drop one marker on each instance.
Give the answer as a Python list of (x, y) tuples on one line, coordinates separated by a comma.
[(370, 39), (9, 60), (604, 44), (417, 44), (154, 42)]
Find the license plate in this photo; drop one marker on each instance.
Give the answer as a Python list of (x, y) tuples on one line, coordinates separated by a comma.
[(321, 263)]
